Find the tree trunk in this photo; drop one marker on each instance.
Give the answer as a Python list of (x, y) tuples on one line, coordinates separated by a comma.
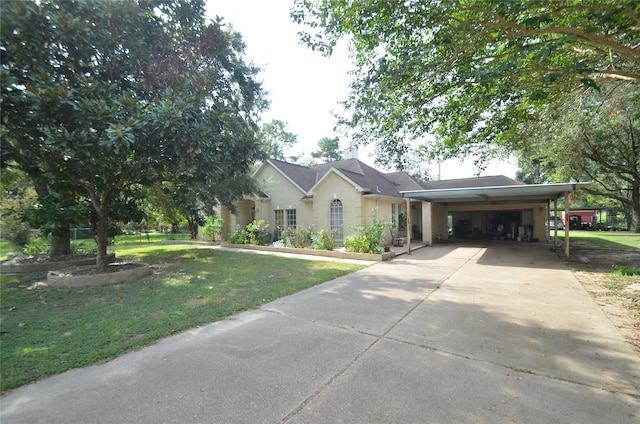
[(193, 228), (103, 238), (60, 246)]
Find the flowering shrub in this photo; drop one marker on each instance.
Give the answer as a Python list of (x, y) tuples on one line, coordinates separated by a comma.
[(257, 232)]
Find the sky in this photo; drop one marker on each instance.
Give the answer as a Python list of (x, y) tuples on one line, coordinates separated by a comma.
[(305, 89)]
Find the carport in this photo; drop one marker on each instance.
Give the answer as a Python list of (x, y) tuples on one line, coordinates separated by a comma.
[(527, 206)]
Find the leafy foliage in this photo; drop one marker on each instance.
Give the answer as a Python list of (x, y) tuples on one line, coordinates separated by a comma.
[(275, 139), (299, 237), (104, 96), (239, 236), (257, 232), (593, 138), (369, 237), (626, 271), (213, 225), (468, 71), (325, 240), (329, 150)]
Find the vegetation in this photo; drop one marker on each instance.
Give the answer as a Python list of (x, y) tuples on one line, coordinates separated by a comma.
[(468, 71), (557, 84), (328, 150), (593, 138), (49, 330), (369, 238), (257, 232), (213, 225), (611, 239), (101, 99), (275, 140)]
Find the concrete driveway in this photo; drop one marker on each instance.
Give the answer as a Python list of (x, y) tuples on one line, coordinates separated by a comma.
[(451, 333)]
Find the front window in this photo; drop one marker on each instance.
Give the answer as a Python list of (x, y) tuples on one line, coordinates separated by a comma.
[(291, 218), (336, 218), (280, 219)]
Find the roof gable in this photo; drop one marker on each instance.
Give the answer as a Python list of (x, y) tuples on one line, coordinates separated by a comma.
[(370, 181), (301, 176)]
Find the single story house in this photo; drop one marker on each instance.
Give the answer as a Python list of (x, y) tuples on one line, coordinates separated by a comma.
[(345, 194)]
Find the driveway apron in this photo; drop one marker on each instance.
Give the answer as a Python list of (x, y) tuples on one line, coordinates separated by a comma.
[(476, 333)]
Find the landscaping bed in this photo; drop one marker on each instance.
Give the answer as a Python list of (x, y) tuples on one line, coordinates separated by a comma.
[(378, 257), (46, 263)]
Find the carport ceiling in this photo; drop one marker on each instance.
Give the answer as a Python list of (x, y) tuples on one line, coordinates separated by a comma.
[(525, 193)]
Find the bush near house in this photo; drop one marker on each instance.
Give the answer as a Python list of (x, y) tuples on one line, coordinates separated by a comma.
[(368, 241), (257, 232)]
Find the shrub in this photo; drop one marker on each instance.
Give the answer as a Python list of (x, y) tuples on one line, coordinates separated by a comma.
[(357, 244), (300, 238), (38, 246), (213, 225), (81, 248), (239, 236), (325, 240), (257, 232), (626, 271), (369, 238)]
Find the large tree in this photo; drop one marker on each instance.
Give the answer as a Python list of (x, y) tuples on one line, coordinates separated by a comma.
[(467, 71), (107, 95), (595, 137), (328, 150), (276, 139)]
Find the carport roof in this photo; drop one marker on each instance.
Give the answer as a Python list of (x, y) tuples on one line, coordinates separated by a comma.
[(522, 193)]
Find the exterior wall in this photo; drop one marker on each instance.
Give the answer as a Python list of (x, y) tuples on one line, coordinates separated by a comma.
[(383, 206), (283, 195), (439, 224), (333, 187)]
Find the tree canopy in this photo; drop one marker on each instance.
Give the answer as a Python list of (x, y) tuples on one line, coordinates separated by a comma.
[(328, 150), (468, 71), (104, 96), (276, 139), (596, 137)]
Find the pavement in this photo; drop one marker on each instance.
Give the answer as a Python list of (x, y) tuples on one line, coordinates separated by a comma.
[(473, 333)]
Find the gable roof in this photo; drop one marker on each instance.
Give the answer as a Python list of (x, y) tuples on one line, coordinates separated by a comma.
[(371, 180), (375, 183)]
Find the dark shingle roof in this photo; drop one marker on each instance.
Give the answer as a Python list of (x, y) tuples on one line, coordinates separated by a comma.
[(376, 182), (489, 181)]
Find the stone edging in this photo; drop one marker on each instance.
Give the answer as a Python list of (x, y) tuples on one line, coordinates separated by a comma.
[(20, 268), (313, 252)]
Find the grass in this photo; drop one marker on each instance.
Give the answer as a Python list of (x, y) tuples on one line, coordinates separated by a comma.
[(49, 330), (622, 240), (7, 250)]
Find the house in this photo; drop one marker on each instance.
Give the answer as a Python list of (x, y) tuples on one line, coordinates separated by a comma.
[(348, 193)]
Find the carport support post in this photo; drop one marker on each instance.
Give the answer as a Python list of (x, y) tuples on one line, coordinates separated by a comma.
[(566, 226), (408, 226), (555, 225)]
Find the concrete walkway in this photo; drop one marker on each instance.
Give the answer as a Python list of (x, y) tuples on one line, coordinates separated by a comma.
[(451, 333)]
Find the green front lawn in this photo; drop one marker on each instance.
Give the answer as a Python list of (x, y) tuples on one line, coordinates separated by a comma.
[(623, 240), (49, 330)]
